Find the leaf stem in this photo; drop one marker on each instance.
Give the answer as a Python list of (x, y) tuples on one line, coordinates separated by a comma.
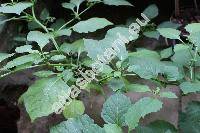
[(45, 28), (63, 26)]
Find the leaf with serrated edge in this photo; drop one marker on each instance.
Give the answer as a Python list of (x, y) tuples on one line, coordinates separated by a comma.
[(114, 109), (141, 108), (91, 25), (169, 33), (15, 8), (41, 96)]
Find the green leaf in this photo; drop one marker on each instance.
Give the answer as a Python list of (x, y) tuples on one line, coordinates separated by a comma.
[(151, 11), (145, 53), (95, 48), (93, 128), (67, 75), (77, 2), (112, 34), (152, 34), (158, 126), (189, 87), (33, 58), (40, 98), (148, 68), (138, 88), (63, 32), (44, 74), (24, 49), (169, 24), (141, 108), (169, 33), (75, 47), (39, 37), (57, 58), (114, 109), (75, 125), (4, 56), (74, 109), (192, 28), (112, 128), (15, 8), (117, 2), (116, 84), (91, 25), (44, 14), (194, 38), (183, 55), (70, 6), (168, 94), (189, 120)]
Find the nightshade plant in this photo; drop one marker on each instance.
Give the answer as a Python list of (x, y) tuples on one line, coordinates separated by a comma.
[(59, 68)]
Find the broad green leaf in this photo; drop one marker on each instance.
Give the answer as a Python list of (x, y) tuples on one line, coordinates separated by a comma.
[(44, 14), (124, 33), (63, 32), (44, 74), (189, 120), (168, 94), (158, 126), (145, 53), (75, 47), (141, 108), (169, 33), (4, 56), (137, 88), (74, 109), (117, 2), (24, 49), (151, 11), (112, 128), (77, 2), (166, 53), (189, 87), (112, 40), (183, 55), (67, 75), (192, 28), (169, 24), (33, 58), (148, 68), (70, 6), (39, 37), (32, 25), (57, 58), (73, 125), (116, 84), (15, 8), (40, 98), (152, 34), (114, 109), (195, 38), (91, 25), (58, 24), (93, 128)]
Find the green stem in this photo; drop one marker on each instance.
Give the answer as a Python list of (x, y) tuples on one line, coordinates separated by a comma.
[(11, 72), (192, 66), (45, 28), (63, 26)]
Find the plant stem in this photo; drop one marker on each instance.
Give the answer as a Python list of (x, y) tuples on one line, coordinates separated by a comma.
[(63, 26), (192, 66), (45, 28), (11, 72)]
